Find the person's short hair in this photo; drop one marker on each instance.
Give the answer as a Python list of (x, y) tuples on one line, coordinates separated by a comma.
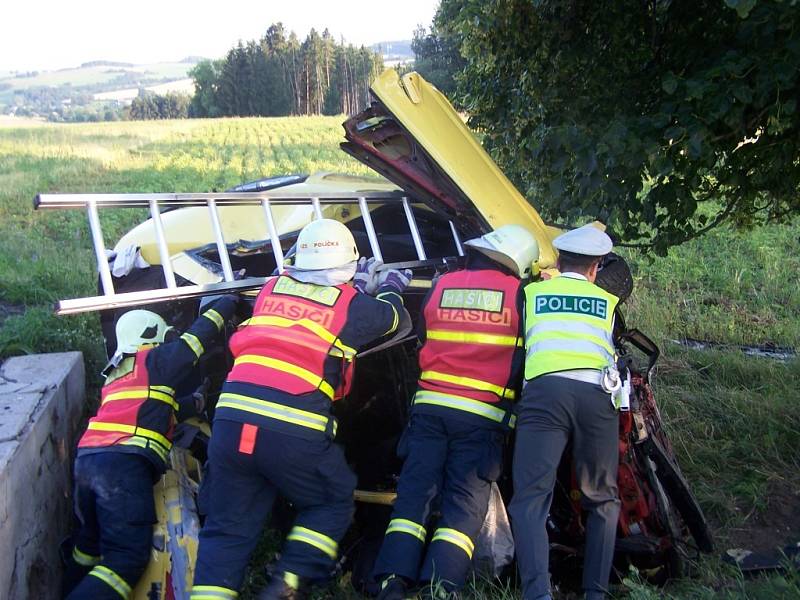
[(579, 263)]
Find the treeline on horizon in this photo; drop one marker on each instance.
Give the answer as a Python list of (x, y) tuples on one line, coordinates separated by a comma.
[(278, 75)]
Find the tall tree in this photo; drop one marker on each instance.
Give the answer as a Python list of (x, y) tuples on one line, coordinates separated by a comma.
[(662, 118)]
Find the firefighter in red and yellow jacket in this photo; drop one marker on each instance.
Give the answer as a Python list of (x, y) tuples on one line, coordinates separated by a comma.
[(125, 449), (470, 365), (273, 430)]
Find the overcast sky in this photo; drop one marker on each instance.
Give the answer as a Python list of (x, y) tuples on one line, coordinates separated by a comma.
[(53, 34)]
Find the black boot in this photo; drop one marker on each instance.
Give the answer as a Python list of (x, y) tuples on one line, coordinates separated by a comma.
[(393, 588), (283, 587)]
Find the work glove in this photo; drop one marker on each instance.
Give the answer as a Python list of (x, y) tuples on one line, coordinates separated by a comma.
[(208, 301), (395, 279), (366, 278)]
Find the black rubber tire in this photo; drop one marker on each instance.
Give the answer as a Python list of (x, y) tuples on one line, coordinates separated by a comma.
[(615, 277), (677, 489)]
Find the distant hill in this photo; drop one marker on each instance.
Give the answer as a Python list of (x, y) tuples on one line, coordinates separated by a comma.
[(394, 51), (105, 63)]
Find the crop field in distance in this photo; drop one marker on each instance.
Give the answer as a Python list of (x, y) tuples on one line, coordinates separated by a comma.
[(733, 418)]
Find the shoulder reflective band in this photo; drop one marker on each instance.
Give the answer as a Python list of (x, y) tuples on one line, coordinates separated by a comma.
[(83, 559), (454, 537), (409, 527), (281, 365), (215, 317), (468, 337), (194, 344), (212, 592), (130, 429), (111, 579), (275, 411), (314, 538), (308, 324), (460, 403), (468, 382)]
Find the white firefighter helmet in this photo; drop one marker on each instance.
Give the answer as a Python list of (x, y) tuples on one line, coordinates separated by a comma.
[(139, 327), (512, 246), (325, 244)]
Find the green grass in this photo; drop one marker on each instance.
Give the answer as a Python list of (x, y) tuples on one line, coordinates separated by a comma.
[(733, 420)]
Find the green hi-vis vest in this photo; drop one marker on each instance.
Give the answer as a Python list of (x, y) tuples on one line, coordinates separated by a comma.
[(568, 325)]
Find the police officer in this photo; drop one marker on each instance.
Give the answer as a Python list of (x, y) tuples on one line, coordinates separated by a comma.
[(126, 446), (569, 347), (472, 355), (273, 428)]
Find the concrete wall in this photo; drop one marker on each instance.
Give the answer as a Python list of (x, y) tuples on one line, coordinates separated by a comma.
[(42, 399)]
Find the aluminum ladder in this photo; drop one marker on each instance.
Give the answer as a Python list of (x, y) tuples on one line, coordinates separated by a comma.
[(266, 199)]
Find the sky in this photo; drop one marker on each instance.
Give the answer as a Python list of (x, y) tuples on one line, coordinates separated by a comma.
[(55, 34)]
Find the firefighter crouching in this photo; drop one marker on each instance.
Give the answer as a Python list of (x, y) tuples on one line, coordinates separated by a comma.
[(126, 446), (273, 430), (570, 380), (470, 361)]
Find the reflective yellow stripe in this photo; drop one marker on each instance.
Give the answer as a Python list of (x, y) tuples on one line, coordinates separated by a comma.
[(86, 560), (121, 428), (148, 444), (215, 317), (454, 537), (166, 398), (113, 580), (212, 592), (141, 393), (314, 538), (468, 337), (194, 344), (163, 388), (460, 403), (468, 382), (396, 319), (406, 526), (308, 324), (273, 410), (281, 365), (128, 394)]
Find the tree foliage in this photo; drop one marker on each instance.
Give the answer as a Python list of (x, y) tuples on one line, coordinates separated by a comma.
[(278, 75), (437, 59), (662, 118), (154, 106)]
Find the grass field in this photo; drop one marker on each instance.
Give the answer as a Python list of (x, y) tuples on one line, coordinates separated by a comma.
[(733, 419)]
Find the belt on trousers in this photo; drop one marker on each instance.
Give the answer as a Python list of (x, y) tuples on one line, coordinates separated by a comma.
[(585, 375)]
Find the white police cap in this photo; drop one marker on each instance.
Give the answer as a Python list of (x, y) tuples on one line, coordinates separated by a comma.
[(586, 240)]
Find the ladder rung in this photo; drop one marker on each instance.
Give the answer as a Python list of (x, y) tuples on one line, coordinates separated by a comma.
[(277, 251), (456, 239), (412, 225), (163, 249), (317, 208), (222, 249), (100, 249), (373, 238)]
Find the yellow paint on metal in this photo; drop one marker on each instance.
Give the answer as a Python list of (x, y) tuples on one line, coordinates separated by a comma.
[(155, 576), (431, 119)]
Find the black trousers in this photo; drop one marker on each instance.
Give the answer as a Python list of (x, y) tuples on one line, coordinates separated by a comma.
[(553, 409), (115, 507), (457, 462), (238, 495)]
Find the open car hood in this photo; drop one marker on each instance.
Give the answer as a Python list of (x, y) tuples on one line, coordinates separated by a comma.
[(414, 137)]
